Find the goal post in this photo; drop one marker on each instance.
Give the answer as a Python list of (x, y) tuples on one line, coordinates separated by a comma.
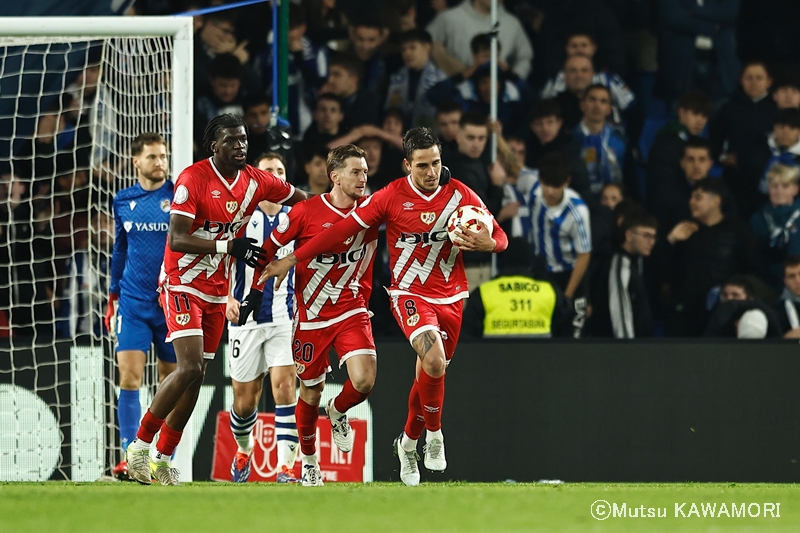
[(74, 93)]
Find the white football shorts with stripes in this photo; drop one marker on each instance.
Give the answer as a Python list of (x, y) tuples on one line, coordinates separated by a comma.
[(253, 351)]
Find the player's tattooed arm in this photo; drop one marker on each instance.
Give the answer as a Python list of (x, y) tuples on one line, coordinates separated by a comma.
[(423, 342)]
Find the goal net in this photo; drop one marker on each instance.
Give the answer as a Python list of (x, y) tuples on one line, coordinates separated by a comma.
[(74, 93)]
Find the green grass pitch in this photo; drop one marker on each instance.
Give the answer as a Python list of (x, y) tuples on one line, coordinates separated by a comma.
[(391, 507)]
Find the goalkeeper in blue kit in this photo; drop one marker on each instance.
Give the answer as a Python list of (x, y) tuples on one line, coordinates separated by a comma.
[(134, 317)]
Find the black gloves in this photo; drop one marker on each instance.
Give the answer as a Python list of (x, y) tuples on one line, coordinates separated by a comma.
[(246, 250), (251, 304), (444, 175)]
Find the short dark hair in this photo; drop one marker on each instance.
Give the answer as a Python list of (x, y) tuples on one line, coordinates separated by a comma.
[(419, 138), (791, 261), (416, 35), (548, 107), (578, 32), (255, 99), (226, 66), (473, 118), (297, 16), (697, 102), (269, 155), (697, 142), (597, 86), (337, 156), (792, 81), (330, 97), (144, 139), (554, 170), (397, 113), (713, 186), (788, 117), (743, 282), (219, 123), (638, 219), (351, 64), (480, 43), (368, 19), (448, 106), (317, 150), (756, 63)]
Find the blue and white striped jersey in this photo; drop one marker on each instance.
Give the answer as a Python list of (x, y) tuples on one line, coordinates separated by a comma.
[(561, 232), (277, 305)]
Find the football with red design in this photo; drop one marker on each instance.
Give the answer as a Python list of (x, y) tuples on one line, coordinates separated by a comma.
[(471, 217)]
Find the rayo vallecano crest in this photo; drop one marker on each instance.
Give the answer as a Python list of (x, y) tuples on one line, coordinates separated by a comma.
[(427, 217), (231, 206)]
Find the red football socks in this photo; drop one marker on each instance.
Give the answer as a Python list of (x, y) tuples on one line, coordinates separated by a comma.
[(415, 422), (431, 397), (306, 416), (168, 440), (349, 397), (149, 427)]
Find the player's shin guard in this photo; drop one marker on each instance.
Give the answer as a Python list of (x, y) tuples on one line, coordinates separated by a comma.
[(431, 396), (415, 422), (129, 411), (286, 431), (242, 429), (349, 397), (149, 427), (168, 440), (307, 416)]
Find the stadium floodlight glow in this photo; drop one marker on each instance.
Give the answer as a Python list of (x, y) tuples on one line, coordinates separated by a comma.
[(75, 93)]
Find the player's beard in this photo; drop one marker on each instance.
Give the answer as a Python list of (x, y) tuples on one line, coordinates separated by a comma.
[(152, 178)]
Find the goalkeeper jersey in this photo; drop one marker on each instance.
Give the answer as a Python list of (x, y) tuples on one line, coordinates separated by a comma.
[(142, 220)]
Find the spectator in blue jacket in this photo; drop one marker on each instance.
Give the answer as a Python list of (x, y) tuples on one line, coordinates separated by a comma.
[(776, 226), (783, 143), (602, 146)]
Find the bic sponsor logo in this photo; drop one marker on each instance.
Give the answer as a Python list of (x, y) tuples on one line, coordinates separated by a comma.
[(425, 238), (222, 227), (343, 258)]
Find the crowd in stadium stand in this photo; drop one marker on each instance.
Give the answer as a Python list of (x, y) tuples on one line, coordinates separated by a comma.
[(648, 150)]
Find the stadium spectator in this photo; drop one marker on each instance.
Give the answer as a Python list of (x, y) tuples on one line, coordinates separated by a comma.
[(225, 93), (327, 122), (217, 36), (327, 23), (264, 346), (788, 305), (697, 47), (666, 152), (134, 318), (427, 302), (775, 227), (602, 146), (359, 105), (737, 133), (611, 195), (408, 87), (578, 76), (786, 93), (448, 119), (620, 301), (783, 143), (515, 304), (382, 162), (740, 314), (545, 135), (668, 197), (261, 138), (368, 33), (455, 28), (561, 233), (706, 251), (315, 161), (15, 237)]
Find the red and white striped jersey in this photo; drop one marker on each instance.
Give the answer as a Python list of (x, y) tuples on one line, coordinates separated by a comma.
[(218, 210), (333, 285), (422, 258)]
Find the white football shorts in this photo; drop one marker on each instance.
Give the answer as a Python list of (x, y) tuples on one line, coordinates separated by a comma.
[(253, 351)]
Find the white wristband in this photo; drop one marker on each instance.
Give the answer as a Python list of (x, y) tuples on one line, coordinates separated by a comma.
[(222, 246)]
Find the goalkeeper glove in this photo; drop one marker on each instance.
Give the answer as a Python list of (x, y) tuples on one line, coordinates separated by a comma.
[(246, 250), (251, 304), (111, 315)]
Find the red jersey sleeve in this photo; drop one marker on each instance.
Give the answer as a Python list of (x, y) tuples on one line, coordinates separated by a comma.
[(272, 189), (184, 201)]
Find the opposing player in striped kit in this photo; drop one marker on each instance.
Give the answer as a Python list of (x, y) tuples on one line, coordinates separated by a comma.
[(263, 345), (428, 279), (333, 289), (214, 199)]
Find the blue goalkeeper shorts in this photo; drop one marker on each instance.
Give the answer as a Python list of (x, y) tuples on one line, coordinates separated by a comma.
[(140, 324)]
